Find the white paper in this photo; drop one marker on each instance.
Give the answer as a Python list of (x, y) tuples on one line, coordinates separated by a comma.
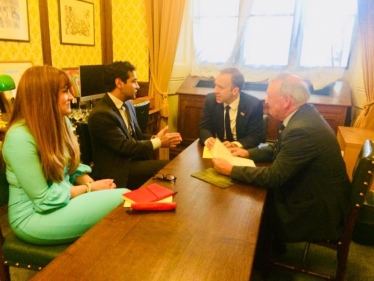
[(221, 151)]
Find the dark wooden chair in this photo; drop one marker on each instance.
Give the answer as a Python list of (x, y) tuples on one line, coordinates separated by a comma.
[(142, 113), (84, 140), (15, 252), (361, 182)]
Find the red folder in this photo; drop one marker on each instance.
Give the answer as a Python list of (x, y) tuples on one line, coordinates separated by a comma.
[(150, 193)]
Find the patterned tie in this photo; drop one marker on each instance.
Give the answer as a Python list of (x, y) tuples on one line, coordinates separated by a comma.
[(129, 122), (229, 136), (278, 140)]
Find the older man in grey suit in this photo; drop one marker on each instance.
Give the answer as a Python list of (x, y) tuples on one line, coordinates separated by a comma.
[(307, 181)]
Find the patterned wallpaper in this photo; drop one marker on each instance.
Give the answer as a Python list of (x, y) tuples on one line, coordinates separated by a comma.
[(129, 38), (130, 41), (25, 51), (73, 55)]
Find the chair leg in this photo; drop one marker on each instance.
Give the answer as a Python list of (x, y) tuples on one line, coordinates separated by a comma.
[(4, 271), (342, 256)]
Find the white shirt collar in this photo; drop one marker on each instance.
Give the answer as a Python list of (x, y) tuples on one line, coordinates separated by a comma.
[(234, 105), (287, 119), (116, 101)]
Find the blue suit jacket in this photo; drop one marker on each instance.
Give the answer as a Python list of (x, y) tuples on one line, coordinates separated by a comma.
[(249, 124)]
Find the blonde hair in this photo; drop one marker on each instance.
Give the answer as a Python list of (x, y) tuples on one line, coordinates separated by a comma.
[(37, 102)]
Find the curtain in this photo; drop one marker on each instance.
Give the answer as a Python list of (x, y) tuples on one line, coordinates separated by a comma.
[(366, 29), (164, 20)]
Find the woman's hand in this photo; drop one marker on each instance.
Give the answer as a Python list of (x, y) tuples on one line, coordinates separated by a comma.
[(103, 184)]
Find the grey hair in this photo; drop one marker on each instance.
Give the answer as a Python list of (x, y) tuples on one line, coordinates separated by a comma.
[(292, 86)]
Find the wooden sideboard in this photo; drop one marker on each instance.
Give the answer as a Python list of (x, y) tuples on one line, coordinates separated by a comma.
[(334, 108), (351, 141)]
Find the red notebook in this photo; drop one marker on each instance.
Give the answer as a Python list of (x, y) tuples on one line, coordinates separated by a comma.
[(150, 193)]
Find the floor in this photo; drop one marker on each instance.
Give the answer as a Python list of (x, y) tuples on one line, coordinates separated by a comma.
[(360, 265)]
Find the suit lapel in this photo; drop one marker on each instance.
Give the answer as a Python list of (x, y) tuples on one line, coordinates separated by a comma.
[(111, 104), (220, 125)]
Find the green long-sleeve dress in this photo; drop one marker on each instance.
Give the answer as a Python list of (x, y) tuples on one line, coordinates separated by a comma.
[(42, 212)]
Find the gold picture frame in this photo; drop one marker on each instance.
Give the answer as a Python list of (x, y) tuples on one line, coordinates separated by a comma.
[(14, 21), (76, 22)]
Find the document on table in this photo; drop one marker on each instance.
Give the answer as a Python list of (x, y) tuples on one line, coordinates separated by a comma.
[(220, 151)]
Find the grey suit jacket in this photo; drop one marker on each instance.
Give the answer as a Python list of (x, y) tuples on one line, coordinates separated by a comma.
[(112, 147), (249, 125), (308, 178)]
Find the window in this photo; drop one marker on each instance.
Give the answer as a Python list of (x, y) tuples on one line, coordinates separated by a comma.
[(274, 34)]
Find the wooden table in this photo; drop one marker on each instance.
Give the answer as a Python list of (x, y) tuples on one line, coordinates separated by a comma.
[(211, 235), (350, 141)]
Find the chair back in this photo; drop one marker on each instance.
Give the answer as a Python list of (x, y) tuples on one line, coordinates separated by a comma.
[(84, 139), (361, 182), (7, 101), (265, 123), (4, 189), (142, 112)]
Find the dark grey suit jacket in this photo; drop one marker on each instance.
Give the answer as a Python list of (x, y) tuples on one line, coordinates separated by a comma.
[(249, 125), (308, 178), (112, 147)]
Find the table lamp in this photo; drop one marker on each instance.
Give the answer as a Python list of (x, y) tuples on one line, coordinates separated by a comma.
[(6, 83)]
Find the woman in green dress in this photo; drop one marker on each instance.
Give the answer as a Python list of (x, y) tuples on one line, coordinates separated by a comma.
[(52, 199)]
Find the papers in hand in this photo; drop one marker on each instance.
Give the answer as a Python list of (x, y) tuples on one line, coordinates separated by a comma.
[(220, 151)]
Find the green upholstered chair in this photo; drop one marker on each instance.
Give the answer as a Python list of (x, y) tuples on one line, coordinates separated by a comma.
[(15, 252), (361, 182)]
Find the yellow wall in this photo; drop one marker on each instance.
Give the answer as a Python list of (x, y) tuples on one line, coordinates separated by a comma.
[(21, 51), (72, 55), (130, 41), (129, 38)]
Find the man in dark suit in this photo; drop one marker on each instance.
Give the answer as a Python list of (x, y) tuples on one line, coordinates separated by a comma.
[(120, 150), (308, 187), (230, 114)]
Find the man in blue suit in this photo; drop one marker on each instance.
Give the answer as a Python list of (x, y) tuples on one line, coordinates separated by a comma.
[(230, 114), (120, 149)]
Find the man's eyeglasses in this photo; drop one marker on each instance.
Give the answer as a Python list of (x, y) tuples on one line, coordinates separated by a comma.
[(167, 177)]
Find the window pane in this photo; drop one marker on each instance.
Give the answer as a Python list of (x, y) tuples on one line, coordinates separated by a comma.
[(327, 35), (271, 7), (267, 41), (214, 29), (214, 40)]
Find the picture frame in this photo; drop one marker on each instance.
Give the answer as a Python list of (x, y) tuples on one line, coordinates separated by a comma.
[(76, 22), (73, 73), (14, 21)]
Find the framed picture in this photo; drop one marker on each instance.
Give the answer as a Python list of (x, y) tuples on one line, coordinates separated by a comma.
[(14, 21), (77, 22), (73, 73)]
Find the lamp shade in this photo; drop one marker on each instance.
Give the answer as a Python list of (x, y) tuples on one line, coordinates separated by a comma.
[(6, 83)]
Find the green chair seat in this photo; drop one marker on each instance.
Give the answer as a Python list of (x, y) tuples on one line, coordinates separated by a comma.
[(18, 253)]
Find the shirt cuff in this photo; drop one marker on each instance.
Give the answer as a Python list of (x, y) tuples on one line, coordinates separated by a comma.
[(238, 144), (156, 143)]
